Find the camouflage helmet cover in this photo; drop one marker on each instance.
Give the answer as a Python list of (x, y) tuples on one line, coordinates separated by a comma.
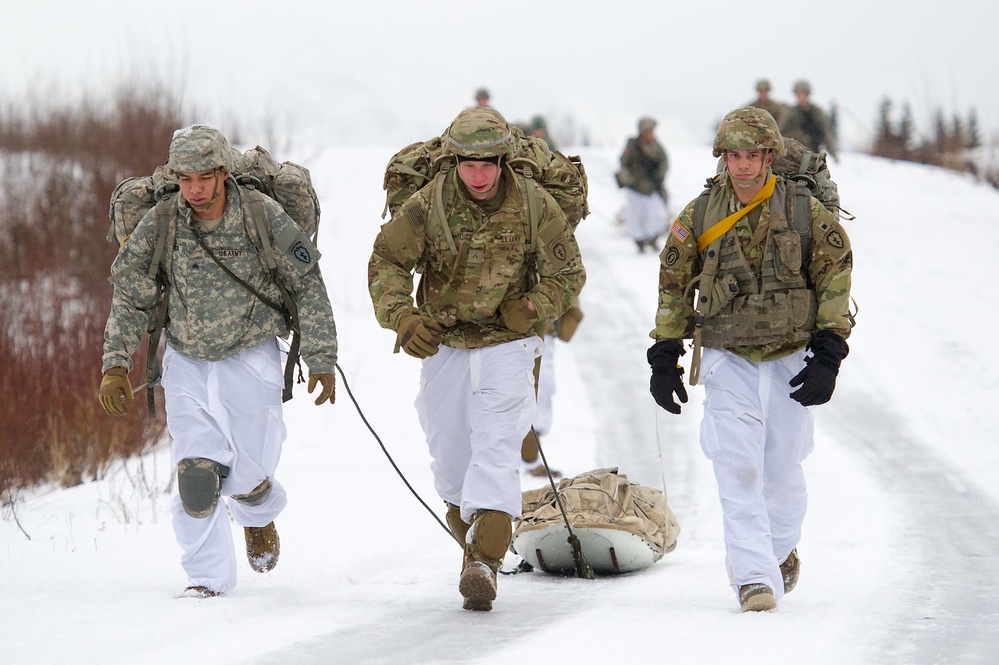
[(802, 86), (199, 148), (763, 85), (479, 133), (747, 129)]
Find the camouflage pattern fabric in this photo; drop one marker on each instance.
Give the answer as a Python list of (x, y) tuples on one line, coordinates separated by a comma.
[(644, 166), (809, 126), (771, 106), (479, 132), (748, 128), (199, 148), (493, 264), (826, 284), (211, 316)]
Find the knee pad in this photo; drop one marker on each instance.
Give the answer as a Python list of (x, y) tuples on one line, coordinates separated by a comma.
[(490, 538), (257, 495), (199, 482)]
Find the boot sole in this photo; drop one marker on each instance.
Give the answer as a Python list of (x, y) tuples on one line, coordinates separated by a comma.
[(761, 602), (477, 588)]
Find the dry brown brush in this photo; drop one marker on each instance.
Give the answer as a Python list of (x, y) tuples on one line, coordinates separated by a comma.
[(59, 166)]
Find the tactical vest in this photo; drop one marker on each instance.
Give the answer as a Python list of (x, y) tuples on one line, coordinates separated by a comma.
[(738, 307)]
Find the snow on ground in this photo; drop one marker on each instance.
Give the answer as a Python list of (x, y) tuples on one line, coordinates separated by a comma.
[(899, 548)]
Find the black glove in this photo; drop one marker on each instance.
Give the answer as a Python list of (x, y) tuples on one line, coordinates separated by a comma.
[(667, 376), (818, 379)]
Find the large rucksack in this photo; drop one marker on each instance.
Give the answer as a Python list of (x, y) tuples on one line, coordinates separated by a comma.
[(287, 183), (622, 526), (413, 167)]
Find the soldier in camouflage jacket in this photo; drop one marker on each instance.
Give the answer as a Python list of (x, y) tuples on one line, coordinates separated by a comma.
[(222, 375), (757, 294), (485, 283), (644, 164)]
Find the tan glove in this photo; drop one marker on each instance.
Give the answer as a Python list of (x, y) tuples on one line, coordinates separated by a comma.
[(418, 336), (518, 315), (329, 387), (116, 392)]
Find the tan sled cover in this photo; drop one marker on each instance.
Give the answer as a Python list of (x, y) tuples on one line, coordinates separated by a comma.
[(603, 499)]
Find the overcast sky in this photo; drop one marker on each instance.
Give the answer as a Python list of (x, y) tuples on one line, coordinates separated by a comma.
[(409, 67)]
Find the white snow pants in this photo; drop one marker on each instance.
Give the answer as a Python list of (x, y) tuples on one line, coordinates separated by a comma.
[(476, 406), (228, 411), (546, 387), (756, 436), (644, 215)]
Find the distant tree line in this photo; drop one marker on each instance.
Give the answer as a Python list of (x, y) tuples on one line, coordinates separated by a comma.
[(951, 143)]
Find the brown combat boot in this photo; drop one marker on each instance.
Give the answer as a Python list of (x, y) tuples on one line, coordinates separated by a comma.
[(458, 526), (790, 569), (491, 533), (756, 598), (263, 547)]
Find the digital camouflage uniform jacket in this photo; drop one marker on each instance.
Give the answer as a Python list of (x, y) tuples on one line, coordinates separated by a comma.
[(828, 275), (463, 293), (211, 316)]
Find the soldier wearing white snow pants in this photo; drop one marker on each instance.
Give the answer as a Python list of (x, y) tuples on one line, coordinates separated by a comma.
[(193, 256), (228, 412), (473, 326), (757, 273), (476, 406)]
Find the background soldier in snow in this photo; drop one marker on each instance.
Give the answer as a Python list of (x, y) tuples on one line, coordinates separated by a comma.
[(477, 303), (766, 102), (772, 286), (808, 123), (222, 371), (643, 174)]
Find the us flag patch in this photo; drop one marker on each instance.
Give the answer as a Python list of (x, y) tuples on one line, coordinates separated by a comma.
[(678, 231)]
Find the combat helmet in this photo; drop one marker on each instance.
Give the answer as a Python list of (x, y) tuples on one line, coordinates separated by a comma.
[(802, 86), (199, 148), (479, 133), (747, 129)]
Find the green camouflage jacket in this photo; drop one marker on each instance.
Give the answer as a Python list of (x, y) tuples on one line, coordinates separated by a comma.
[(823, 290), (464, 292), (211, 316), (810, 127), (644, 166)]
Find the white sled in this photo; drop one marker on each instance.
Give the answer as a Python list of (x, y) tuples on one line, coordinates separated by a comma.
[(621, 526), (608, 550)]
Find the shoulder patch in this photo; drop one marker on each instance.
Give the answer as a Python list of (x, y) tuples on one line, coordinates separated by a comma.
[(415, 214)]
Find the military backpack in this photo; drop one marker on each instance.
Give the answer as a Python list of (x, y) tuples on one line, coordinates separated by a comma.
[(564, 177)]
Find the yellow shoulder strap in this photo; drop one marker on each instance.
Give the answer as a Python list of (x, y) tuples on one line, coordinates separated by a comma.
[(723, 227)]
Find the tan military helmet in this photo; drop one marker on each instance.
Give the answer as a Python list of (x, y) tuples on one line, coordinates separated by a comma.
[(199, 148), (802, 86), (748, 129), (479, 133), (763, 85)]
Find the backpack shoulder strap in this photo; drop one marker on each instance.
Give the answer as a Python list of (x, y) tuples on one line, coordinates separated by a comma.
[(701, 207), (443, 190), (257, 226), (533, 198)]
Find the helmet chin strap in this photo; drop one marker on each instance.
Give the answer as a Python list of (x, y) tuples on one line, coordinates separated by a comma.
[(760, 177), (215, 193)]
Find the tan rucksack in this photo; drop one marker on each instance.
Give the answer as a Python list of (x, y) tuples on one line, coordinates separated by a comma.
[(287, 183), (413, 167), (597, 501)]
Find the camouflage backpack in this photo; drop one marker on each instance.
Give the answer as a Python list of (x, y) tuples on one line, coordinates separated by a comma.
[(410, 169), (287, 183)]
